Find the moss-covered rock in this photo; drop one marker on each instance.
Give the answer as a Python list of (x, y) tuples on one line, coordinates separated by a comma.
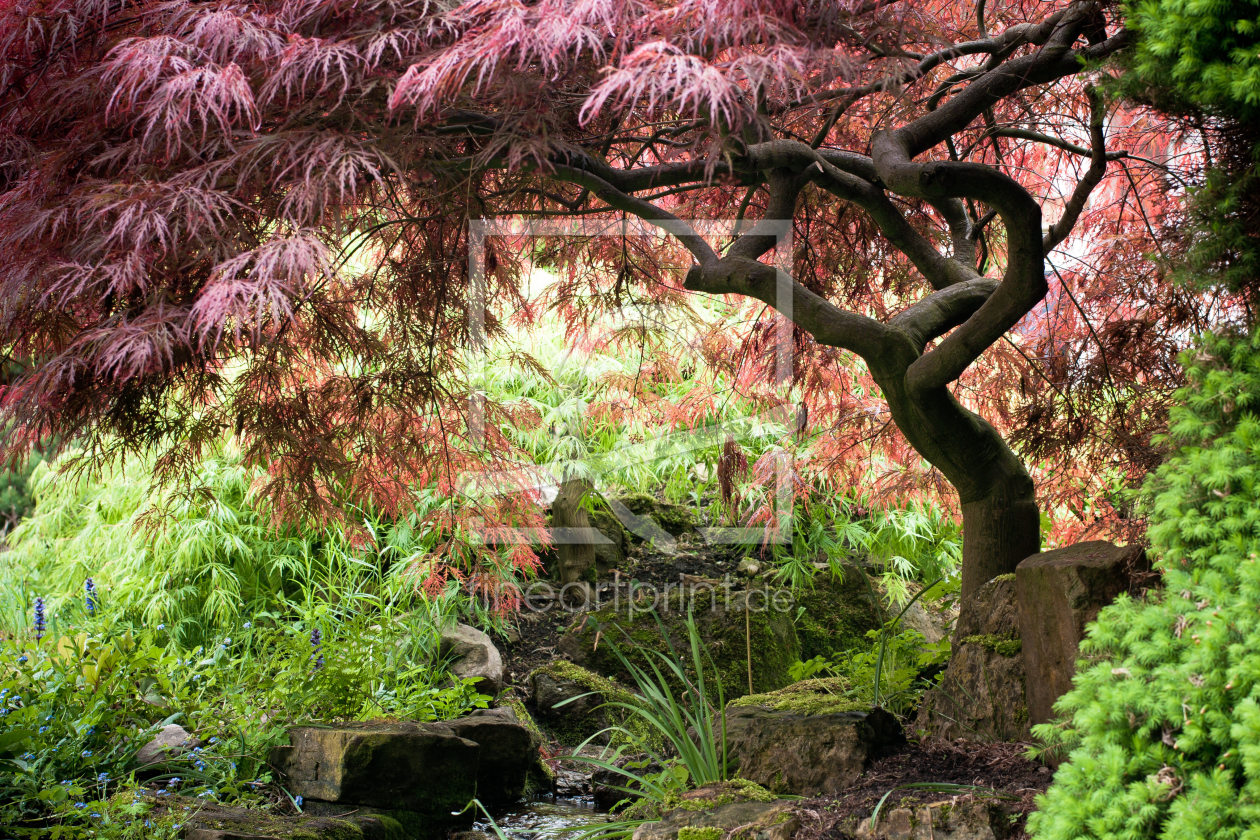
[(982, 694), (724, 621), (1008, 645), (541, 778), (713, 795), (739, 809), (806, 740), (808, 697), (574, 703), (675, 519), (838, 614)]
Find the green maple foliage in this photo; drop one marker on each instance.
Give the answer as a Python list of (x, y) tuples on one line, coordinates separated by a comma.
[(1163, 727)]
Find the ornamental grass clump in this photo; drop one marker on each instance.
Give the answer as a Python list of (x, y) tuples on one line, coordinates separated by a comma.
[(1162, 728)]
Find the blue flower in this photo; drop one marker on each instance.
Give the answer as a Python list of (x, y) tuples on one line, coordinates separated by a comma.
[(40, 623), (161, 627), (246, 626), (90, 595), (174, 782), (43, 729), (28, 756), (80, 804), (317, 641), (102, 777), (87, 753), (298, 800), (95, 816), (22, 659)]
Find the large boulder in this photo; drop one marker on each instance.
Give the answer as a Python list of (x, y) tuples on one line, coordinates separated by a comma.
[(473, 656), (423, 768), (1059, 593), (955, 819), (981, 695), (725, 809), (418, 767), (723, 618), (806, 740)]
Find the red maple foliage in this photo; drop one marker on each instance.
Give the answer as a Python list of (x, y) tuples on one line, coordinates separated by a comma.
[(254, 218)]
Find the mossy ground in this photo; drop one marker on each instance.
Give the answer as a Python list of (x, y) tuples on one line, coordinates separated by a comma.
[(714, 796), (808, 697), (708, 832)]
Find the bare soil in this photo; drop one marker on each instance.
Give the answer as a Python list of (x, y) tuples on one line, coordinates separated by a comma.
[(539, 629), (998, 766)]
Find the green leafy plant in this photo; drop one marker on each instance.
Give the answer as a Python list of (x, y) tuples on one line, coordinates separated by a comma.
[(689, 724), (75, 709), (1161, 730)]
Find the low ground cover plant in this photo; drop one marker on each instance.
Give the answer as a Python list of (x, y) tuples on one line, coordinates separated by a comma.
[(76, 708)]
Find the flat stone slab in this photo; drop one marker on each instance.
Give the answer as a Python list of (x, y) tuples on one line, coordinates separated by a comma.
[(426, 768)]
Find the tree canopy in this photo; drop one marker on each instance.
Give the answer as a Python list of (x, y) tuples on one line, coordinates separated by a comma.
[(254, 218)]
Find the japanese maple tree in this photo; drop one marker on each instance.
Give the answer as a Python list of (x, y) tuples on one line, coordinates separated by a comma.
[(254, 217)]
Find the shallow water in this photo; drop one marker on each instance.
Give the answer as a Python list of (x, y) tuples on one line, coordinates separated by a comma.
[(546, 818)]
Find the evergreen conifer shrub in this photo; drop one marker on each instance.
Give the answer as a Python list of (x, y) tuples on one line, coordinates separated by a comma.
[(1162, 728)]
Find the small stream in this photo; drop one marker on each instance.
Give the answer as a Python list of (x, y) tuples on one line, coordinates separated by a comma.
[(545, 818)]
